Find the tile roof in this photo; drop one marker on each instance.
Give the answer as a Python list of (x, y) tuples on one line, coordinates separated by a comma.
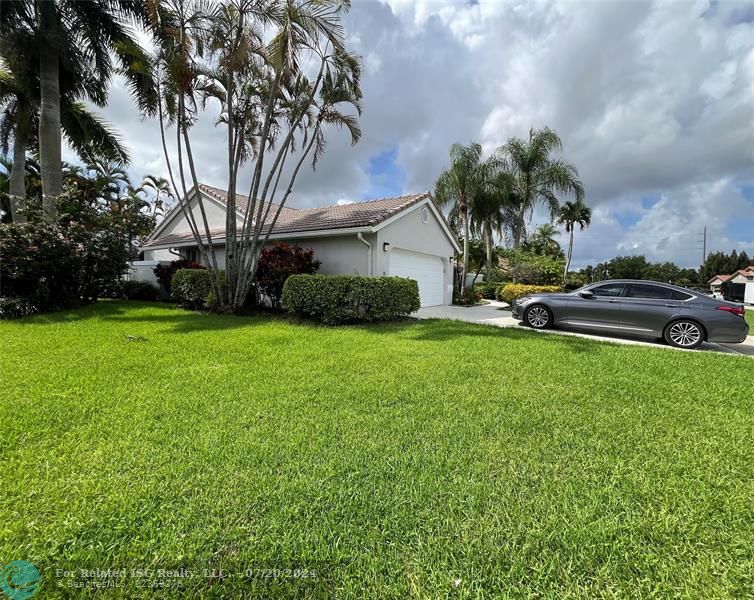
[(293, 220), (720, 277)]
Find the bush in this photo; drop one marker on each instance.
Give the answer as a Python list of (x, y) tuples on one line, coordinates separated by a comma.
[(164, 273), (40, 265), (508, 293), (192, 288), (534, 269), (135, 290), (277, 263), (15, 308), (488, 290), (469, 297), (336, 299)]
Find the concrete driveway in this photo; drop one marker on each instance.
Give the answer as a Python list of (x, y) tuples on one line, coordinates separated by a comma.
[(498, 315)]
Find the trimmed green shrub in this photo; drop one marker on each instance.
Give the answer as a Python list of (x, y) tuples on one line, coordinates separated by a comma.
[(136, 290), (336, 299), (508, 293), (488, 290), (164, 273), (192, 288), (469, 297)]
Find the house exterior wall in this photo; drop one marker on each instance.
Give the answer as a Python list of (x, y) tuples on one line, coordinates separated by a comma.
[(214, 211), (410, 233), (345, 254), (341, 254)]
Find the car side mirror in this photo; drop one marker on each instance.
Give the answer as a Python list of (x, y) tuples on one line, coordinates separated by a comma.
[(587, 294)]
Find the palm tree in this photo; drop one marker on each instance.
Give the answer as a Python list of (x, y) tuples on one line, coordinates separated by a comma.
[(458, 186), (88, 135), (493, 209), (537, 176), (161, 187), (572, 214), (543, 241), (72, 43)]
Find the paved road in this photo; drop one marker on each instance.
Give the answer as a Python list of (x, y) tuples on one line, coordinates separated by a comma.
[(495, 313)]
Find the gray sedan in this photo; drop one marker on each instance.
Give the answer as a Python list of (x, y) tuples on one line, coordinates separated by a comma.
[(682, 317)]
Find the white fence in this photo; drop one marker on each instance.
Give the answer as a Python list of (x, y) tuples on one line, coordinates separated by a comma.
[(143, 270)]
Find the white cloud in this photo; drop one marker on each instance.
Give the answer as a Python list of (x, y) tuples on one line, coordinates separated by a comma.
[(650, 99)]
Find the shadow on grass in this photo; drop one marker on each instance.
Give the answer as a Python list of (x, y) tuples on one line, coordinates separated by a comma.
[(131, 311), (441, 330)]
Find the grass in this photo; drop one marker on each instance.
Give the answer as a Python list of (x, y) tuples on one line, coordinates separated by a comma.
[(418, 459), (750, 319)]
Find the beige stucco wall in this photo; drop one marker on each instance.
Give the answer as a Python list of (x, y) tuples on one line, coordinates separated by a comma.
[(214, 211), (411, 234)]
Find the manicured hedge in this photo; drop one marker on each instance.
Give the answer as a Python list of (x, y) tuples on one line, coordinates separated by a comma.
[(488, 290), (192, 288), (134, 290), (508, 293), (336, 299)]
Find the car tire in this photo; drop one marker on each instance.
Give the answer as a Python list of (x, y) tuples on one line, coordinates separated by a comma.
[(538, 316), (684, 333)]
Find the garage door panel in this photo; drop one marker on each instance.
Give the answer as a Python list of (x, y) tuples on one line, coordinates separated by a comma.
[(427, 270)]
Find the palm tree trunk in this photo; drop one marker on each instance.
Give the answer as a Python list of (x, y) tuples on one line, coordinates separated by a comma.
[(488, 242), (465, 217), (517, 238), (49, 132), (18, 173), (570, 253)]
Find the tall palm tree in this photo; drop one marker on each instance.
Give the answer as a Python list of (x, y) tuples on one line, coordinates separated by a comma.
[(492, 211), (85, 132), (72, 43), (458, 186), (537, 176), (572, 214)]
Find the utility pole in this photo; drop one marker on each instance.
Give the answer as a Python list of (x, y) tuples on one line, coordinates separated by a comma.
[(704, 246)]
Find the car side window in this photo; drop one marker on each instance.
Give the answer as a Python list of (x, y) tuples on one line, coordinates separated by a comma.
[(652, 292), (680, 295), (609, 289)]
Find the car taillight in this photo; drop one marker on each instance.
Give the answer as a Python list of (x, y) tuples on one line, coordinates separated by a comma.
[(736, 310)]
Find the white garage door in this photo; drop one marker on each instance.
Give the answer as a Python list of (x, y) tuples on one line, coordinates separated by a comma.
[(425, 269)]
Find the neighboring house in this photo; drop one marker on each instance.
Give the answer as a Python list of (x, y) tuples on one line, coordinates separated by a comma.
[(716, 282), (742, 276), (406, 236)]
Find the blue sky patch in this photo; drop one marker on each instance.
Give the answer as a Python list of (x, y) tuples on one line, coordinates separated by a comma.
[(386, 177), (627, 218), (648, 202)]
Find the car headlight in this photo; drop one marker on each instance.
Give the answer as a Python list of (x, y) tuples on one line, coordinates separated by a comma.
[(524, 300)]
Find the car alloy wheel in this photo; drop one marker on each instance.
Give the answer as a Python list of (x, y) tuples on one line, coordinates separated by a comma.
[(684, 334), (538, 317)]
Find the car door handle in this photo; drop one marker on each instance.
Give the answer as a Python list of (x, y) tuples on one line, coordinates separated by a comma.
[(612, 301), (672, 305)]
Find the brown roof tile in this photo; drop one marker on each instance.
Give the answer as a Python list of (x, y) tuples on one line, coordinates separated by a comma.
[(292, 220)]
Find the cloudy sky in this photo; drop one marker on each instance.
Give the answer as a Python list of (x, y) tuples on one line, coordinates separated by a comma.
[(654, 102)]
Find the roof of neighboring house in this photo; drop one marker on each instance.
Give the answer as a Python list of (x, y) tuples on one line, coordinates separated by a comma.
[(292, 220), (720, 277), (747, 272)]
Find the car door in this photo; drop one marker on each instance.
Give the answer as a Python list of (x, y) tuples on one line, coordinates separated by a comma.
[(601, 310), (647, 307)]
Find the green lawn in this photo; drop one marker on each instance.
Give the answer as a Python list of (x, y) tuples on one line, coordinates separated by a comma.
[(424, 459), (750, 319)]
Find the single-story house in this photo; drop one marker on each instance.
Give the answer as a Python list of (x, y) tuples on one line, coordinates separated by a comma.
[(405, 236), (716, 282), (742, 276)]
